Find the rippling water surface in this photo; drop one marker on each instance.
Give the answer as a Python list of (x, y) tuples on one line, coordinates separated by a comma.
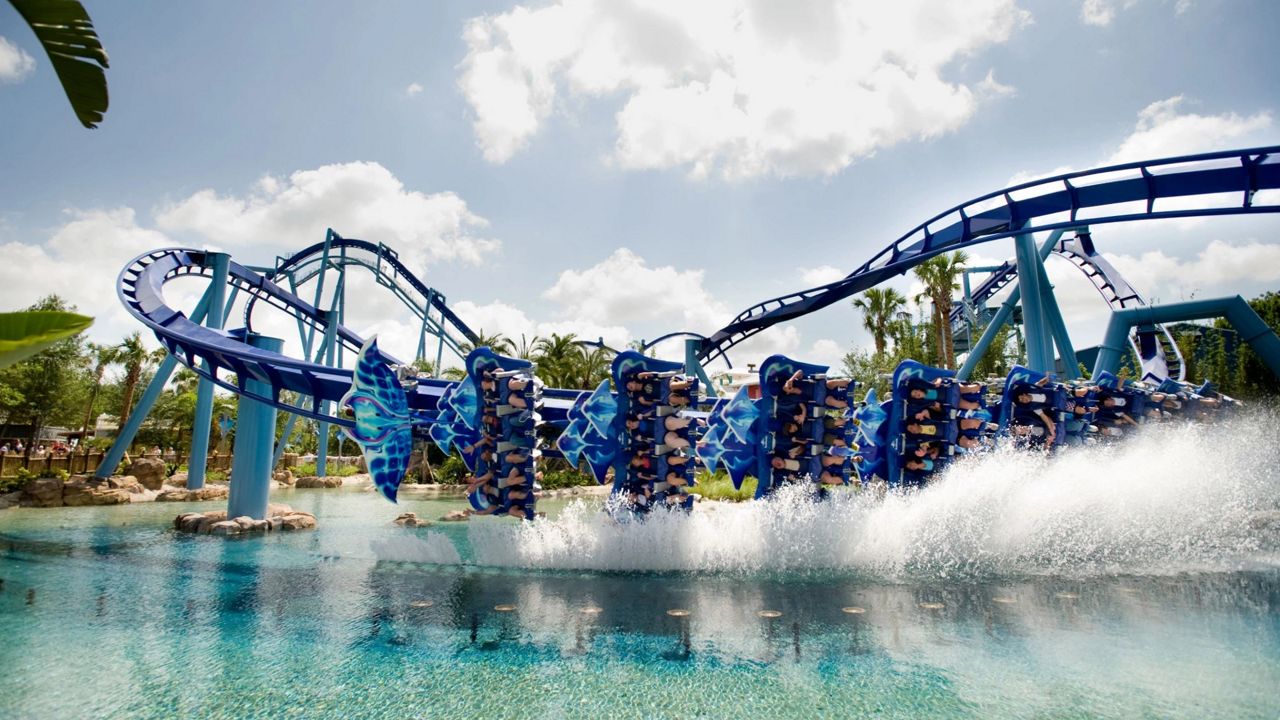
[(1141, 580)]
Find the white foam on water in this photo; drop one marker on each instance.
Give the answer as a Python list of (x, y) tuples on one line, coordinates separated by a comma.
[(433, 548), (1173, 498)]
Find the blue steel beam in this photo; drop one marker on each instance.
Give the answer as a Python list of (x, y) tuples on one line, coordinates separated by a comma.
[(1034, 328), (1057, 327), (255, 435), (197, 461), (1002, 315), (125, 436), (1252, 328)]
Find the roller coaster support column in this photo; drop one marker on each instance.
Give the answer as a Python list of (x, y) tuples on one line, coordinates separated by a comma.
[(1002, 315), (1253, 329), (197, 462), (693, 367), (255, 438), (125, 438), (1039, 342), (322, 447), (1058, 328)]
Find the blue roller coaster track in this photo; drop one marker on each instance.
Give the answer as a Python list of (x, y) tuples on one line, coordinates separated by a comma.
[(1213, 184), (1205, 185)]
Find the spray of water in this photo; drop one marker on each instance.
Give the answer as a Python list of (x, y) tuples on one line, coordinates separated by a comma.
[(1176, 497)]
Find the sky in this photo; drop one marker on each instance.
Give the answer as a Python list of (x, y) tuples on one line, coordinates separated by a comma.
[(623, 169)]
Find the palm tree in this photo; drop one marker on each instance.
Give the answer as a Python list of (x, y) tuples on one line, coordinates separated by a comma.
[(497, 342), (103, 355), (950, 266), (525, 349), (559, 359), (422, 366), (66, 33), (939, 275), (595, 366), (879, 306), (135, 357)]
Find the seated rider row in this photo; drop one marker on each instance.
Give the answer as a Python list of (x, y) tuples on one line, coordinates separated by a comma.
[(1034, 415), (941, 417), (656, 441), (809, 440), (506, 469)]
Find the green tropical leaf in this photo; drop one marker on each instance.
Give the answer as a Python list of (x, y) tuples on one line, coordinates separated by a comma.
[(65, 31), (23, 334)]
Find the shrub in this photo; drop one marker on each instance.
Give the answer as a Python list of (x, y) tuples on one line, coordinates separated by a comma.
[(452, 471), (8, 485), (556, 479), (334, 470), (720, 487)]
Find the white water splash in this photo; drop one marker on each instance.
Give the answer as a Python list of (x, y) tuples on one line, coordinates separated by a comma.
[(434, 548), (1177, 497)]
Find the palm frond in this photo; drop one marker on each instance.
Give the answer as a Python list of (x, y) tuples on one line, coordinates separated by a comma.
[(23, 334), (65, 31)]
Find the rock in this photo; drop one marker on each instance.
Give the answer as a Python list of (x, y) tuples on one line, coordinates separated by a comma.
[(187, 521), (225, 527), (319, 482), (456, 516), (411, 520), (289, 460), (215, 522), (42, 492), (218, 492), (361, 464), (178, 479), (10, 500), (150, 471), (80, 493), (127, 483), (297, 521), (284, 477)]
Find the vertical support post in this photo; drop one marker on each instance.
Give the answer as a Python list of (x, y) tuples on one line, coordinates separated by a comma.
[(693, 367), (1039, 344), (1058, 328), (1002, 315), (198, 460), (255, 437), (422, 331), (322, 448), (112, 459)]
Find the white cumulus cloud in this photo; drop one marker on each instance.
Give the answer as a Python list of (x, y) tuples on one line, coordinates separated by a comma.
[(821, 275), (359, 199), (1163, 130), (624, 289), (1102, 12), (15, 63), (733, 88), (413, 89), (79, 262)]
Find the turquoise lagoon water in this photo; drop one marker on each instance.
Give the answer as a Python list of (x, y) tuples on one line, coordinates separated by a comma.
[(1136, 581)]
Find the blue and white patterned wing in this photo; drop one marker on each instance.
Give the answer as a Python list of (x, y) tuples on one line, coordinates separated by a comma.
[(571, 443), (601, 408), (383, 428), (740, 413)]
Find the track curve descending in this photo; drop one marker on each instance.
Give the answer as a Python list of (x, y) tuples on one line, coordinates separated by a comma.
[(1193, 185)]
